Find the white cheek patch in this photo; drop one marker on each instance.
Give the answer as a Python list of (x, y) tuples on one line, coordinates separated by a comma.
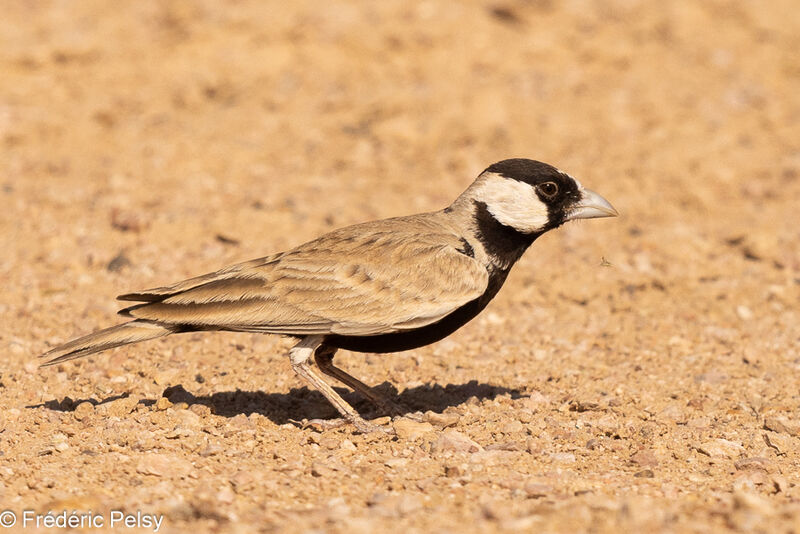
[(513, 203)]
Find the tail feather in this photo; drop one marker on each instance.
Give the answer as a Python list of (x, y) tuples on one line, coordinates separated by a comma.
[(108, 338)]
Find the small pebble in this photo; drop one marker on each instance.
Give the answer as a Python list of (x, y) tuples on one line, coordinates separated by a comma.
[(442, 420), (537, 490), (83, 410), (455, 441), (721, 448), (645, 458), (411, 430), (783, 425)]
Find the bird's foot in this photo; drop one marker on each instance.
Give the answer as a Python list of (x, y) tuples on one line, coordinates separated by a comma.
[(365, 427), (362, 425), (414, 416), (322, 425)]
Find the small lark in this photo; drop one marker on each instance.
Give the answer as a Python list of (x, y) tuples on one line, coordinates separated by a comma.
[(381, 286)]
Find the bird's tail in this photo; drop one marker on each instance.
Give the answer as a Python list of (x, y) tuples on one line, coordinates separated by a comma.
[(108, 338)]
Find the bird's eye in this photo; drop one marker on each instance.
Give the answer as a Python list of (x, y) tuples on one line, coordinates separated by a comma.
[(548, 189)]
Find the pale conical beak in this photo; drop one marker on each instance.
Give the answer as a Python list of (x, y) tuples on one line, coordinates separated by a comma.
[(591, 206)]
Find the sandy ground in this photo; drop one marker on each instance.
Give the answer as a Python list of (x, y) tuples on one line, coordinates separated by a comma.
[(635, 375)]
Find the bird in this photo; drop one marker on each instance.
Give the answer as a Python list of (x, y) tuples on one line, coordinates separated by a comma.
[(382, 286)]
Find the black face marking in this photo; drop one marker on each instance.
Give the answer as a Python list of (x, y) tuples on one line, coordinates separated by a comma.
[(466, 249), (542, 177), (503, 243), (524, 170)]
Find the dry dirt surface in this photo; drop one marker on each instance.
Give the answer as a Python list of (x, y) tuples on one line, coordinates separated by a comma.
[(637, 374)]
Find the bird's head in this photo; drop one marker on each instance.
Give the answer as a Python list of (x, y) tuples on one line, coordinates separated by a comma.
[(532, 197)]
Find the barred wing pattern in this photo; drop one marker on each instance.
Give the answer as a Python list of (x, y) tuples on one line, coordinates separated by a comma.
[(391, 277)]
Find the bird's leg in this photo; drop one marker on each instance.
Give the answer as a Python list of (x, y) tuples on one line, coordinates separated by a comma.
[(324, 358), (299, 356)]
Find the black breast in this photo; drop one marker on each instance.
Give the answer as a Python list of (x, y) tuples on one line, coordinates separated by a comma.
[(419, 337), (503, 244)]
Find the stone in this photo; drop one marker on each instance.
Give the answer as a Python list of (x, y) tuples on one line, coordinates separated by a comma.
[(200, 410), (537, 490), (455, 441), (492, 457), (83, 410), (644, 458), (212, 449), (506, 446), (225, 496), (672, 412), (607, 424), (753, 463), (442, 420), (563, 457), (120, 407), (321, 469), (512, 427), (188, 419), (454, 471), (753, 502), (721, 448), (242, 480), (396, 463), (744, 312), (780, 443), (536, 401), (411, 430), (328, 442), (163, 465), (782, 425)]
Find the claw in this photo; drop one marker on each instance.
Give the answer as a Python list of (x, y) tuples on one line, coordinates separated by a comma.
[(419, 417), (322, 425), (363, 426)]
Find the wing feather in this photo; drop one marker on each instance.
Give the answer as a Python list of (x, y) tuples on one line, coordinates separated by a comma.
[(356, 281)]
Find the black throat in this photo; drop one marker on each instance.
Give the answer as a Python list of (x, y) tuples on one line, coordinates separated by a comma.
[(503, 244)]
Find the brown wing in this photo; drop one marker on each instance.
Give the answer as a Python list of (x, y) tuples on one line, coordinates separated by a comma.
[(370, 279), (157, 294)]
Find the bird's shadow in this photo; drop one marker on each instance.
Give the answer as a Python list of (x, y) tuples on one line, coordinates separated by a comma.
[(303, 403)]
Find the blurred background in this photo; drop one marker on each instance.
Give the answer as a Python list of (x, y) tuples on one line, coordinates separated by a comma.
[(145, 142), (174, 137), (223, 115)]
